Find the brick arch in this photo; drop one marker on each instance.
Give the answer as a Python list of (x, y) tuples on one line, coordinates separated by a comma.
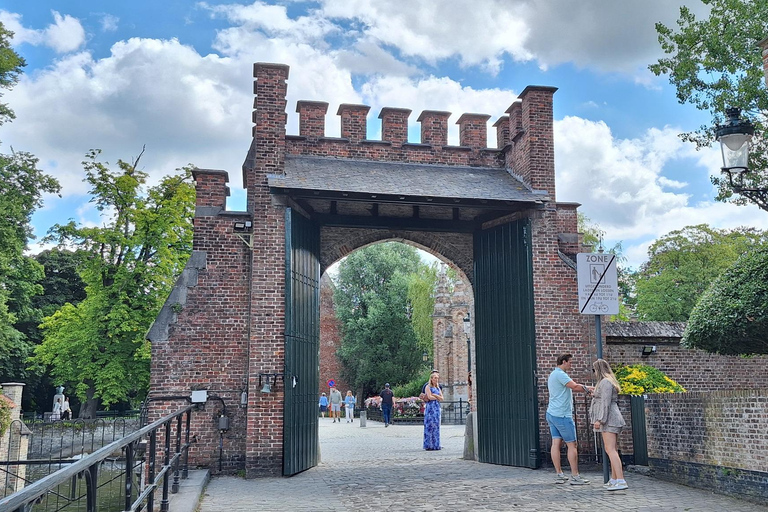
[(455, 249)]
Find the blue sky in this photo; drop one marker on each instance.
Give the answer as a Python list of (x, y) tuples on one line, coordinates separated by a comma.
[(177, 76)]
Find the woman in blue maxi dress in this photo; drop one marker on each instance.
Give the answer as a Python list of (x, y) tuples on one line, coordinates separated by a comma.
[(432, 412)]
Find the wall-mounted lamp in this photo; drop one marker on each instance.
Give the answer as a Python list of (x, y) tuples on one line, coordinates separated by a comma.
[(242, 229), (244, 398), (467, 322), (266, 387), (648, 350), (242, 225)]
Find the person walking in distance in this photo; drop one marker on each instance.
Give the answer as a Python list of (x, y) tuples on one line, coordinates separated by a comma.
[(323, 403), (560, 419), (335, 404), (349, 405), (387, 400), (607, 419)]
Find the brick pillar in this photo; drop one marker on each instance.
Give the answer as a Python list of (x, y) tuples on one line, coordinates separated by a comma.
[(266, 352), (764, 49), (502, 131), (211, 190), (13, 391), (535, 159), (434, 127), (473, 130), (312, 118), (515, 112), (353, 121), (394, 125)]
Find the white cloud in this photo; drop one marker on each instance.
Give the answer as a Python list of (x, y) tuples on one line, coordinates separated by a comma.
[(64, 35), (109, 22)]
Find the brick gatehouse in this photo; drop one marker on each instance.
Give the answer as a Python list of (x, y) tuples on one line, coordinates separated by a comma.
[(245, 311)]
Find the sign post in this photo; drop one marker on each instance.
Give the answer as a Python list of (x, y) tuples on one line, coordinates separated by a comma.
[(598, 284)]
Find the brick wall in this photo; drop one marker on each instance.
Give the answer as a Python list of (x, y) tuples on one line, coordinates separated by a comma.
[(330, 340), (695, 370), (713, 440)]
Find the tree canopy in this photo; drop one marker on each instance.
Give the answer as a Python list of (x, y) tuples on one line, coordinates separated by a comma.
[(378, 344), (714, 64), (732, 315), (22, 186), (98, 345), (421, 299), (683, 263), (11, 64)]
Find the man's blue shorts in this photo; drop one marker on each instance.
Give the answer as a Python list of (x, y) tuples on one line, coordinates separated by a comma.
[(562, 428)]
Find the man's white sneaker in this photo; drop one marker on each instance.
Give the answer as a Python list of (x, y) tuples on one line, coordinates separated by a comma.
[(560, 478), (578, 480), (618, 486), (609, 483)]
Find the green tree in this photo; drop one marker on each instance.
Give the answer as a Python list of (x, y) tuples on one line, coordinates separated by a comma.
[(714, 63), (683, 263), (378, 344), (421, 298), (98, 345), (732, 315), (11, 65)]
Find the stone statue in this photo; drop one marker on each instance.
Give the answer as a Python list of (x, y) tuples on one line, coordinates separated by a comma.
[(59, 396)]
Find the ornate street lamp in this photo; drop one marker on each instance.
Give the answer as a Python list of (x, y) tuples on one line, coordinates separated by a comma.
[(734, 137)]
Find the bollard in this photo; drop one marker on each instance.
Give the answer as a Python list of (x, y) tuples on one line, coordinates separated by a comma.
[(363, 417)]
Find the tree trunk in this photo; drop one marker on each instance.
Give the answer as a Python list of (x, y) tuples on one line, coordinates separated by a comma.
[(89, 407)]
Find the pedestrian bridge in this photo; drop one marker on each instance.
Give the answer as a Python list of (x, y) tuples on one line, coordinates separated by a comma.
[(374, 468)]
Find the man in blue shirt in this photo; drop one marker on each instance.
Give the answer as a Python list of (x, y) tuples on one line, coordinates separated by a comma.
[(560, 419)]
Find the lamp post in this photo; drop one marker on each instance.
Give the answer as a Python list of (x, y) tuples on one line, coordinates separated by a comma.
[(467, 327), (734, 137)]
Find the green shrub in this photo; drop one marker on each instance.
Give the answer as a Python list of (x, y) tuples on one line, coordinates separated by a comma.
[(5, 416), (638, 379), (412, 388)]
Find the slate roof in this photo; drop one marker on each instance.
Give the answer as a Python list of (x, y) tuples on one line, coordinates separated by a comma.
[(644, 329), (365, 176)]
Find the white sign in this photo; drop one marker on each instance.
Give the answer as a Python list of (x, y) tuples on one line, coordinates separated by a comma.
[(598, 284)]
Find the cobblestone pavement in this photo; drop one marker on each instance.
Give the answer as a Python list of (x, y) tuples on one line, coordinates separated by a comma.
[(377, 468)]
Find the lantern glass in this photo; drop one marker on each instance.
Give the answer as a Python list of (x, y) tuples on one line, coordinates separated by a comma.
[(735, 149)]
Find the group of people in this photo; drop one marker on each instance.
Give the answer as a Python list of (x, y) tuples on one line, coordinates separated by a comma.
[(61, 410), (333, 405), (431, 393), (604, 415)]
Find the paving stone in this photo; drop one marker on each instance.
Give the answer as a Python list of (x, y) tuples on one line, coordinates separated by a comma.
[(377, 469)]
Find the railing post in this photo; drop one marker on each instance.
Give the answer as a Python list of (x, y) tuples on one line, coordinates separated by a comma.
[(152, 461), (91, 486), (185, 472), (128, 476), (166, 464), (177, 458)]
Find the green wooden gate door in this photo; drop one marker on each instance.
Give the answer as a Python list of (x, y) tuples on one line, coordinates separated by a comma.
[(505, 342), (302, 343)]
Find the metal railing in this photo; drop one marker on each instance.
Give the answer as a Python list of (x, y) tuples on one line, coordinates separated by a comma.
[(453, 413), (143, 468)]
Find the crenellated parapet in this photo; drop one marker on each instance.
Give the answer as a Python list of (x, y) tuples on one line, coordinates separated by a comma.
[(524, 142)]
